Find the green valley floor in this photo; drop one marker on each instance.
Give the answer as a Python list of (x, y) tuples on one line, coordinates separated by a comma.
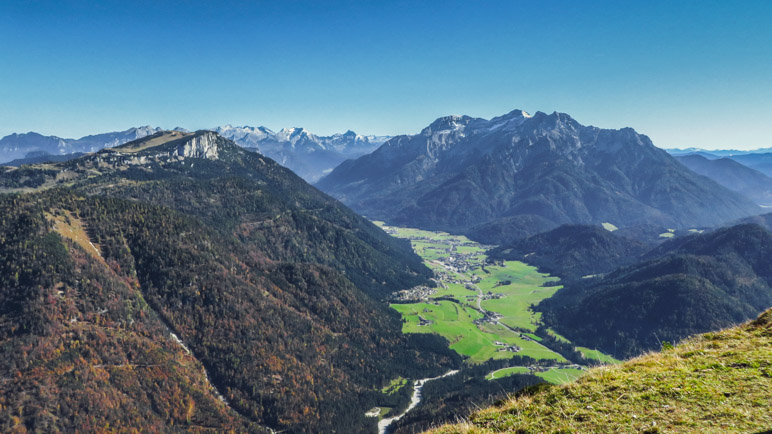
[(483, 308)]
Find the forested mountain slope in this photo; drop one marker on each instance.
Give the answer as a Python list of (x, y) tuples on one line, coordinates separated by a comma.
[(272, 285), (81, 348), (689, 285), (573, 251)]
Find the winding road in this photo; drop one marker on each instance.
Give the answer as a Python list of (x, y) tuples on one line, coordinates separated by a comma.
[(415, 399)]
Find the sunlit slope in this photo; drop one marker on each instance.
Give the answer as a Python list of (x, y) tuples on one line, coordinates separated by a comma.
[(715, 382)]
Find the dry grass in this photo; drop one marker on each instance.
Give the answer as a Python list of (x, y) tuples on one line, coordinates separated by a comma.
[(716, 382), (71, 227), (156, 141)]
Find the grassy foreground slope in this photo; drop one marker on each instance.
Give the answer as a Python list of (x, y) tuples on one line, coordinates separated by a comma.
[(715, 382)]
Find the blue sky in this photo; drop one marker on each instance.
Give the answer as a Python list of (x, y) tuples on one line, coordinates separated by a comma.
[(687, 73)]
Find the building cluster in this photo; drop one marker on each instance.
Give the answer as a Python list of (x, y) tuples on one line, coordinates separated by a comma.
[(414, 294), (506, 347)]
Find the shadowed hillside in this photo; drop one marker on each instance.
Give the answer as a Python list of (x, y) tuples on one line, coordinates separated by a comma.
[(689, 285), (573, 251)]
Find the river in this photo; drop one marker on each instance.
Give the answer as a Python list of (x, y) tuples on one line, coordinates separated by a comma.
[(415, 399)]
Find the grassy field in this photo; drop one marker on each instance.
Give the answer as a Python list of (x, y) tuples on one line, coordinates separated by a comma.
[(609, 227), (506, 372), (560, 375), (160, 140), (515, 306), (456, 323), (557, 335), (597, 355), (526, 288), (394, 386), (554, 375), (716, 382), (455, 290), (519, 284), (69, 226)]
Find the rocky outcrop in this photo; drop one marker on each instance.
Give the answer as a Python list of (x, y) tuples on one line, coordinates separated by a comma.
[(200, 146)]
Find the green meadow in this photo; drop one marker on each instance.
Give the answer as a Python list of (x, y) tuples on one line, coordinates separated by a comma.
[(597, 355), (461, 268), (455, 322), (520, 285), (506, 372), (560, 375), (524, 290), (555, 375)]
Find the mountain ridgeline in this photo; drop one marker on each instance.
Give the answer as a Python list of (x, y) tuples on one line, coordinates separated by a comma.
[(308, 155), (520, 174), (272, 288), (34, 145), (732, 175), (759, 159)]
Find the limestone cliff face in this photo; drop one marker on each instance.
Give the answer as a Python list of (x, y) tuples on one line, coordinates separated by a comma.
[(203, 144), (200, 146)]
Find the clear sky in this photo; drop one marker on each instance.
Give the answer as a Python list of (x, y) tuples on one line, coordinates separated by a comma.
[(687, 73)]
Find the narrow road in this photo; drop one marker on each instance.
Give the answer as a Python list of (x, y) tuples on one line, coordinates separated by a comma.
[(415, 399)]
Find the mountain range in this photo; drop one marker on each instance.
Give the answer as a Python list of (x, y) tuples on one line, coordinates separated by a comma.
[(732, 175), (181, 282), (717, 152), (307, 154), (759, 159), (17, 146), (521, 174)]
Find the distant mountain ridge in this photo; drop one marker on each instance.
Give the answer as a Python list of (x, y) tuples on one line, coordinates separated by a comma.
[(717, 152), (15, 146), (517, 170), (759, 159), (305, 153), (732, 175)]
